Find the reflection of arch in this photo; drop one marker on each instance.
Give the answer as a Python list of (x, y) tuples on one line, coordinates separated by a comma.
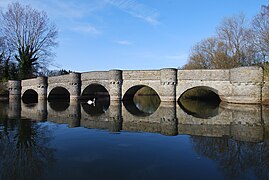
[(200, 102), (102, 99), (59, 94), (141, 100), (59, 106), (30, 96)]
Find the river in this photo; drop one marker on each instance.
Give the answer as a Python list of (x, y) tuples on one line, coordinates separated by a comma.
[(143, 139)]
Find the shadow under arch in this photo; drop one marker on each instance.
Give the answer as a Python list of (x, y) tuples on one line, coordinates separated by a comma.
[(200, 101), (30, 96), (59, 98), (59, 94), (101, 98), (141, 100)]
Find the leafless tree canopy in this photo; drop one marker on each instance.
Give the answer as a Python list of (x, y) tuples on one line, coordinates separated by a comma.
[(260, 26), (30, 37), (236, 44)]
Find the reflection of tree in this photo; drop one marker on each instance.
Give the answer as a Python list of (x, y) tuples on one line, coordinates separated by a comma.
[(237, 159), (24, 150)]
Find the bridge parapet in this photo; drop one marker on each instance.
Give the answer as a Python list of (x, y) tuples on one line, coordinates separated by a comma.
[(141, 75), (95, 75), (202, 75), (58, 79)]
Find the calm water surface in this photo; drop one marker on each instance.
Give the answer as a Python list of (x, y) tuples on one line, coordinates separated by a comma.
[(133, 141)]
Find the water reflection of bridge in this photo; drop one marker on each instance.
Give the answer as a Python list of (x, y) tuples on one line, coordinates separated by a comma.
[(241, 122)]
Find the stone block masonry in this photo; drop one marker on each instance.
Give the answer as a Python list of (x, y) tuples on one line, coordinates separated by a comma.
[(244, 85)]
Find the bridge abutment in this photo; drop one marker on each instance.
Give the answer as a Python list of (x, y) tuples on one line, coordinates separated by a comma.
[(168, 84), (115, 85)]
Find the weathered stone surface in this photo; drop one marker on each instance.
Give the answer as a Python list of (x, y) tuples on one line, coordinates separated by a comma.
[(141, 75), (250, 75), (95, 75), (265, 90), (244, 85), (208, 75)]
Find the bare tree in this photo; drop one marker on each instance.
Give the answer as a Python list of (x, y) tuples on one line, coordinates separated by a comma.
[(260, 26), (210, 53), (30, 36), (236, 36), (236, 44), (230, 48), (4, 60)]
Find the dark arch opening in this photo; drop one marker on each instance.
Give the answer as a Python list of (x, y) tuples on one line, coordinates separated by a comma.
[(59, 98), (201, 102), (59, 94), (100, 96), (141, 100), (30, 96)]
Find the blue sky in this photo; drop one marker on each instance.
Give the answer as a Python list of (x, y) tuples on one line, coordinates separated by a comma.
[(133, 34)]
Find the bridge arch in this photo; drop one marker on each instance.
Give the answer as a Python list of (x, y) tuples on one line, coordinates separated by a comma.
[(59, 93), (200, 92), (100, 94), (30, 96), (93, 90), (200, 101), (141, 100)]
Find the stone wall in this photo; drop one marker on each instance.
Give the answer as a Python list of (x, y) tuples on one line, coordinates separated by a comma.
[(265, 90), (141, 75), (95, 75), (29, 82), (204, 75), (239, 85)]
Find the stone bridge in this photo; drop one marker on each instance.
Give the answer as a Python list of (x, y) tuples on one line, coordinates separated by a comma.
[(244, 85)]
